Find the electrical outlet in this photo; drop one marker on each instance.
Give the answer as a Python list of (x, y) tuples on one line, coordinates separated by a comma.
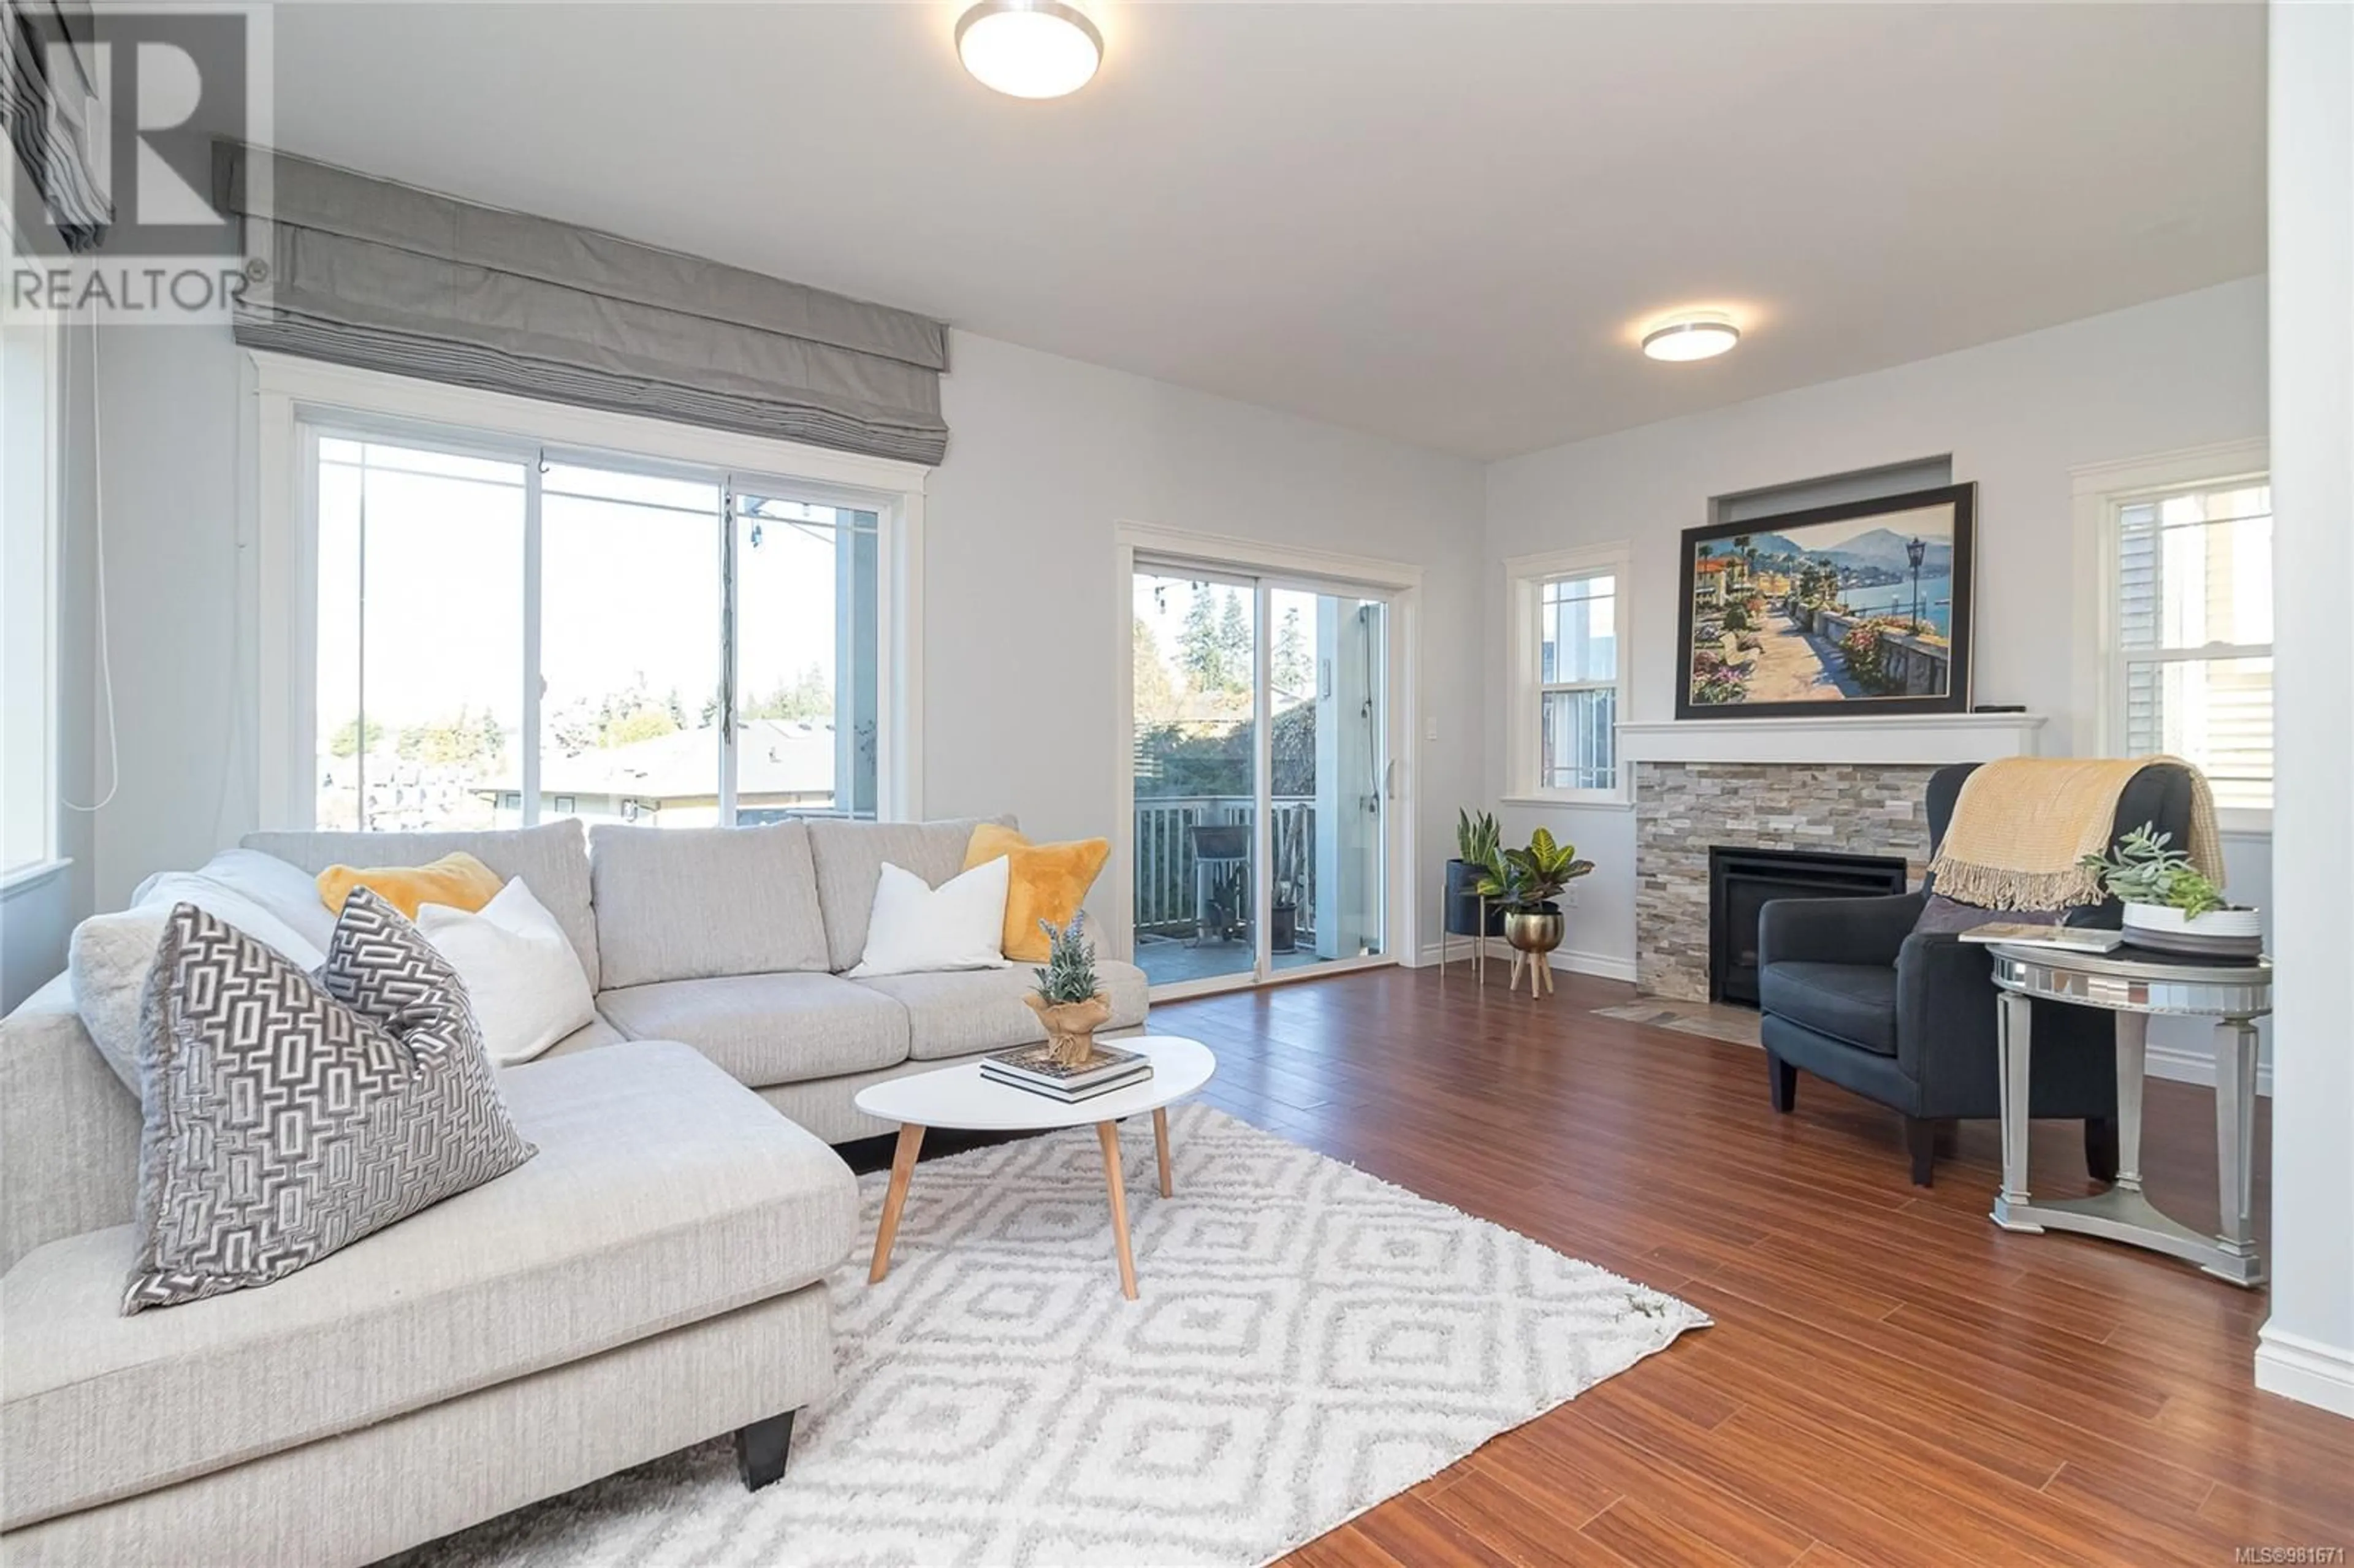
[(1430, 730), (1569, 896)]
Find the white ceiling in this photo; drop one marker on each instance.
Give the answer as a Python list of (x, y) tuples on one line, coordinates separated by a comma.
[(1444, 223)]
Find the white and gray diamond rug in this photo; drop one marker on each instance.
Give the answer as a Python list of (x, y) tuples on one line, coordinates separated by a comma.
[(1311, 1341)]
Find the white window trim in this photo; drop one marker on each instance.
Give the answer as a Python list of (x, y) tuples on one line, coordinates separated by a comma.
[(283, 391), (1524, 580), (2101, 492)]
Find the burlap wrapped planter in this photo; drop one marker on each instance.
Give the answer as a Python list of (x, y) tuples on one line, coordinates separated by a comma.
[(1071, 1026)]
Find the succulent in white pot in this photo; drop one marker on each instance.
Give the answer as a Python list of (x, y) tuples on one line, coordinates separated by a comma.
[(2168, 901)]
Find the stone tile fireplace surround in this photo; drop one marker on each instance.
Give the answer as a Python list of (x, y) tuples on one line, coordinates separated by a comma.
[(1683, 808), (1854, 784)]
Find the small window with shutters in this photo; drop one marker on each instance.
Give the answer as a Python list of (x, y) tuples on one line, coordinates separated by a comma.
[(2191, 631), (1568, 661)]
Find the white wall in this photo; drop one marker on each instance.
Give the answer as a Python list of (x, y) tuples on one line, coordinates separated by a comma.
[(1021, 605), (2307, 1349), (2017, 416), (36, 919), (177, 577), (1024, 609)]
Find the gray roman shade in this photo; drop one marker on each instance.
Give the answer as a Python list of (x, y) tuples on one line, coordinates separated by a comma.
[(49, 107), (367, 273)]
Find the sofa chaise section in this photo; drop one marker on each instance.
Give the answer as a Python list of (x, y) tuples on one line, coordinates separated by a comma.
[(649, 1280)]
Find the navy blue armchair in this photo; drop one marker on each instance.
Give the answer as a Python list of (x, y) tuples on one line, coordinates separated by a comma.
[(1853, 994)]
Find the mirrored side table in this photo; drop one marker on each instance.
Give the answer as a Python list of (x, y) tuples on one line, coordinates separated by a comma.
[(2136, 989)]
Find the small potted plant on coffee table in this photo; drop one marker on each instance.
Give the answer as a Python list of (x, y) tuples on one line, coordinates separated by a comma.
[(1069, 1000), (1527, 882)]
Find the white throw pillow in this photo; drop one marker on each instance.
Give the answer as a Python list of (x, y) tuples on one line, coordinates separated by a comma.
[(273, 901), (959, 924), (518, 968)]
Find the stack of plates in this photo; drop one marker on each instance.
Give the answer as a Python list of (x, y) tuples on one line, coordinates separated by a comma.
[(2218, 933)]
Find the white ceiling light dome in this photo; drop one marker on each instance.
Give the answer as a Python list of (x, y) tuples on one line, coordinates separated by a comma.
[(1695, 335), (1029, 48)]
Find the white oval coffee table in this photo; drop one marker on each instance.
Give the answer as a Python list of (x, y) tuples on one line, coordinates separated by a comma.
[(961, 1099)]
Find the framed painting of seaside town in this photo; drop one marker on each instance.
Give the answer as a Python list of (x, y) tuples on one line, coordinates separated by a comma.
[(1861, 608)]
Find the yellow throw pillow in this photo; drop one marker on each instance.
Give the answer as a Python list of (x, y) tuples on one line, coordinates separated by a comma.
[(1043, 881), (458, 880)]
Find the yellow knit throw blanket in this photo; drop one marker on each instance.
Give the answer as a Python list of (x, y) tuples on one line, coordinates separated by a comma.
[(2022, 825)]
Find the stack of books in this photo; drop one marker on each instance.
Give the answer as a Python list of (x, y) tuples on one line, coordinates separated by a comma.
[(2067, 938), (1034, 1067)]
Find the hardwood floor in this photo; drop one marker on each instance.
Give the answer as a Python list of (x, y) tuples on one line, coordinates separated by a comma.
[(1890, 1379)]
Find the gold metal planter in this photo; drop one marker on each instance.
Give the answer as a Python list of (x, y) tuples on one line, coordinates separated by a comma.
[(1534, 934)]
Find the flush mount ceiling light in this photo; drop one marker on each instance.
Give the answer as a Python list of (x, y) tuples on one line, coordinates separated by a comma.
[(1029, 48), (1691, 338)]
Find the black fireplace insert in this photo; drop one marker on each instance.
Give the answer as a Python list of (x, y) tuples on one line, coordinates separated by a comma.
[(1741, 882)]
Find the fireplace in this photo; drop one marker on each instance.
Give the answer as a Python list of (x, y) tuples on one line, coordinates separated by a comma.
[(1742, 881)]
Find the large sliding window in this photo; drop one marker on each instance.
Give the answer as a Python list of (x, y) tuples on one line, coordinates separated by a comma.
[(507, 634)]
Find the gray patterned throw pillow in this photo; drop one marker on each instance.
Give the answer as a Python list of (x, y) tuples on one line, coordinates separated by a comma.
[(288, 1114)]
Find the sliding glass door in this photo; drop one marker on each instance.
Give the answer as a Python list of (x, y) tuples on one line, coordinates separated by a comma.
[(1260, 762), (1196, 763)]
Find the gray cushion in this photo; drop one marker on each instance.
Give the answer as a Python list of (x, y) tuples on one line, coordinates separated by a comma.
[(286, 1119), (1854, 1002), (588, 1037), (552, 859), (850, 857), (767, 1029), (955, 1014), (662, 1193), (685, 902)]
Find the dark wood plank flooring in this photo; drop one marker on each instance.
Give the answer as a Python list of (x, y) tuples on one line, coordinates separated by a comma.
[(1890, 1380)]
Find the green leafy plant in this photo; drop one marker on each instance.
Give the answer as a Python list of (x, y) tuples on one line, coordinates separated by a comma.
[(1531, 878), (1070, 971), (1477, 838), (2141, 868)]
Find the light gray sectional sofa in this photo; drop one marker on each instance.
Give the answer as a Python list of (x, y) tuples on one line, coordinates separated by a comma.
[(651, 1279), (735, 941)]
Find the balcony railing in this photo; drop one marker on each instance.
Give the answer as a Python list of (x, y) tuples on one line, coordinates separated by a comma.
[(1165, 891)]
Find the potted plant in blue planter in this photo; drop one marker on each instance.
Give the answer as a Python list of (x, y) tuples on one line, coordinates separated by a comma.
[(1477, 840)]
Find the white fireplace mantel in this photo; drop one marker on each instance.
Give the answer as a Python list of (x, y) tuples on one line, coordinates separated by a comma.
[(1925, 739)]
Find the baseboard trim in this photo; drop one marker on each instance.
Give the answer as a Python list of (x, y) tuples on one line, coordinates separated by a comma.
[(2305, 1370), (2177, 1065), (1602, 966), (2168, 1062)]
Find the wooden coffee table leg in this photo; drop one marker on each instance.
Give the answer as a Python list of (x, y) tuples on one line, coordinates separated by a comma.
[(1160, 1144), (902, 1165), (1107, 1133)]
